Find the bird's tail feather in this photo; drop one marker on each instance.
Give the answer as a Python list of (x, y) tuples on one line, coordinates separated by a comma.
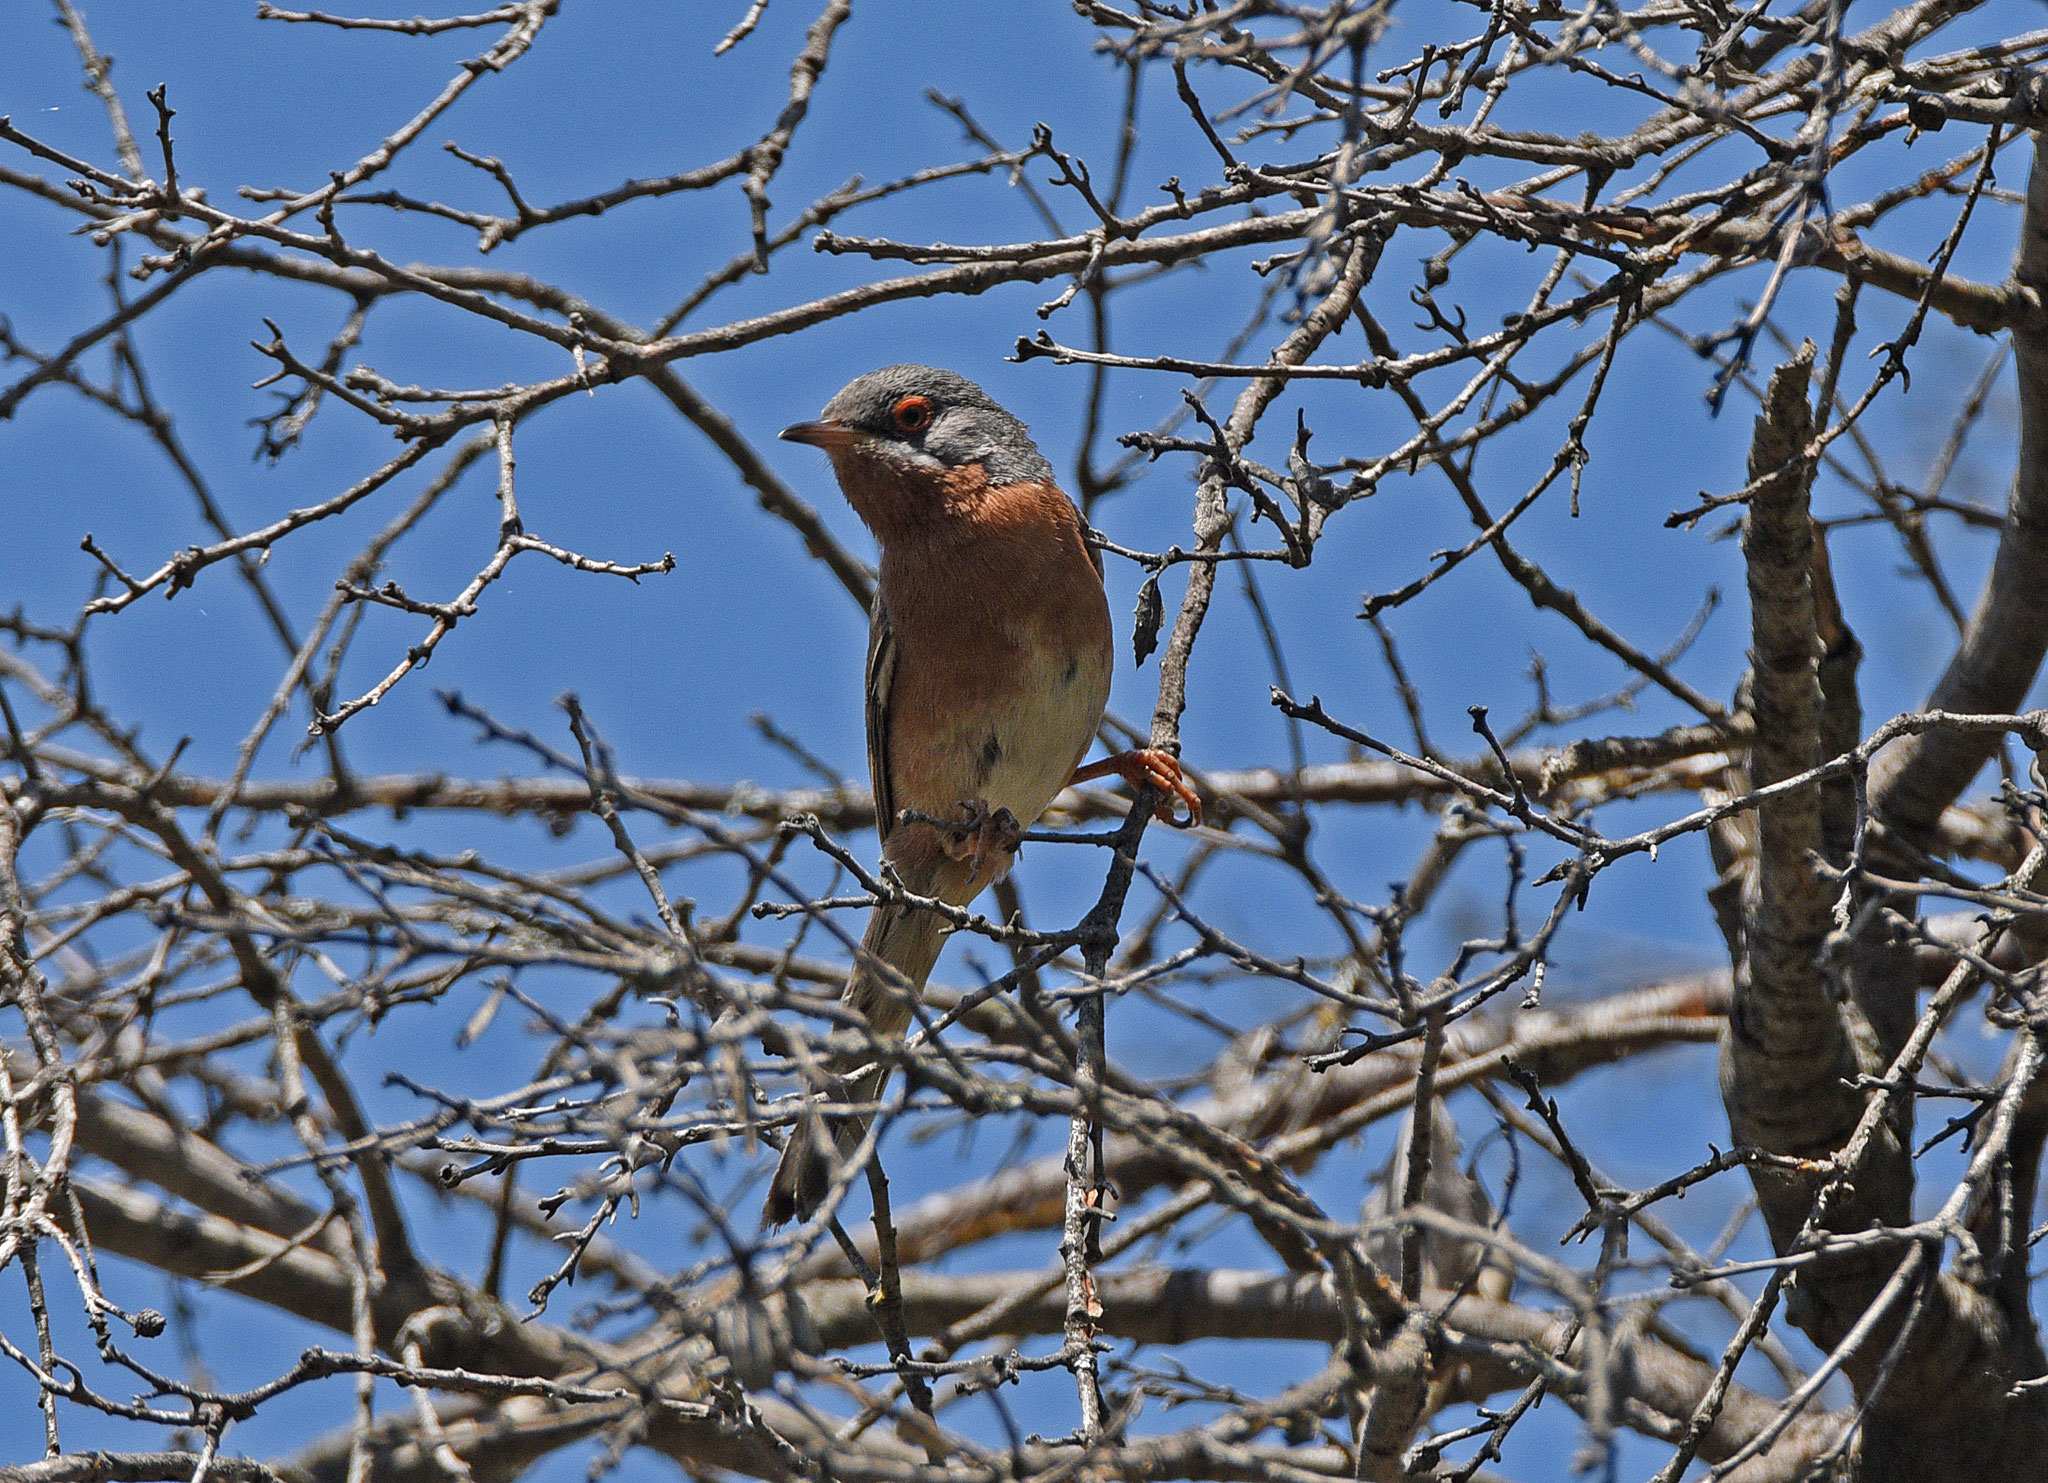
[(909, 942)]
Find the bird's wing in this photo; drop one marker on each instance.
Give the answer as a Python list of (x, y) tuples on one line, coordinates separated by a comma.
[(881, 678)]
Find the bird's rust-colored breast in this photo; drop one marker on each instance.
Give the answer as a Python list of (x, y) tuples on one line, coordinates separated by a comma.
[(1003, 648)]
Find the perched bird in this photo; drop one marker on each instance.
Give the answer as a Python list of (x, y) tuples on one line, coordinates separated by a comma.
[(988, 669)]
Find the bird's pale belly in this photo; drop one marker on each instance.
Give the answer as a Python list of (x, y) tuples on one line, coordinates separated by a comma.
[(1018, 745)]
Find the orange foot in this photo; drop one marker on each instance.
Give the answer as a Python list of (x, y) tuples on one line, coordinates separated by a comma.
[(1150, 767), (984, 836)]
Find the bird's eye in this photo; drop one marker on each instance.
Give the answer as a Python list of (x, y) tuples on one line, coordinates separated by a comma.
[(913, 414)]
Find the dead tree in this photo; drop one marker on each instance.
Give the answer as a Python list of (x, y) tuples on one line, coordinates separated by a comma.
[(1418, 265)]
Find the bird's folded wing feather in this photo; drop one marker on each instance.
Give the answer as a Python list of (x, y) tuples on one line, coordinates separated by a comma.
[(881, 677)]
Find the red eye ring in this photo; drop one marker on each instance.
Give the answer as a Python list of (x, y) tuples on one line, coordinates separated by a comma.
[(913, 414)]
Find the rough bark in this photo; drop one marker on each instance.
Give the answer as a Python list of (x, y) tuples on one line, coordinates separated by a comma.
[(1943, 1408), (1788, 1054)]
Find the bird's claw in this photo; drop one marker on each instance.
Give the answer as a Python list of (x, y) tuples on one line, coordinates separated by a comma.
[(1149, 767), (985, 833)]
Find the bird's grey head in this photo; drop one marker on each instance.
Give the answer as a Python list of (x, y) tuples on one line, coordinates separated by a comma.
[(923, 418)]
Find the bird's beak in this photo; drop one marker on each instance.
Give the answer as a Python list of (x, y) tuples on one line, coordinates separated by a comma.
[(828, 434)]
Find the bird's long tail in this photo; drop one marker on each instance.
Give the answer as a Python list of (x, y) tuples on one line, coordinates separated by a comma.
[(908, 941)]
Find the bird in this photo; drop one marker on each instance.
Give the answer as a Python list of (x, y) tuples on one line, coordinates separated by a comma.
[(988, 670)]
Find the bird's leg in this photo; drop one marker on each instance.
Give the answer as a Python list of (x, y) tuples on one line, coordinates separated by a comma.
[(1149, 767), (987, 833)]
